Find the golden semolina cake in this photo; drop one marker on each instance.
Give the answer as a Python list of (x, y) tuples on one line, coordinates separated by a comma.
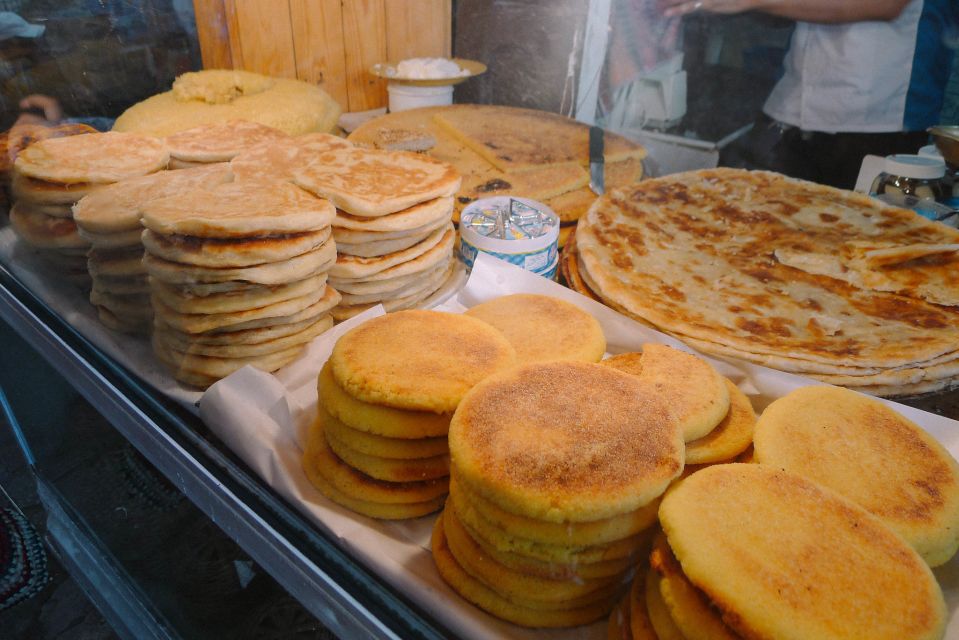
[(419, 360), (488, 531), (377, 419), (500, 606), (696, 391), (542, 328), (568, 533), (618, 624), (356, 485), (545, 593), (732, 435), (782, 556), (385, 446), (379, 510), (566, 441), (871, 454), (390, 469), (687, 606), (640, 626), (557, 570), (660, 619)]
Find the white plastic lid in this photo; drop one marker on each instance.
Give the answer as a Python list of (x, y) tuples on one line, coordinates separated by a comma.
[(915, 166), (930, 151)]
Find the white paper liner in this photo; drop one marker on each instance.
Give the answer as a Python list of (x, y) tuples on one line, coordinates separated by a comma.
[(263, 418), (265, 421)]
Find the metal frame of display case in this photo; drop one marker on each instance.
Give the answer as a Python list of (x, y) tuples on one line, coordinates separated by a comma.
[(344, 596)]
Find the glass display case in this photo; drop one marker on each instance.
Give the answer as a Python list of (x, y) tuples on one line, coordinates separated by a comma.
[(174, 528)]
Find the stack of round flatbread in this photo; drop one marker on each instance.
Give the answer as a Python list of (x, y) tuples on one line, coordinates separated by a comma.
[(53, 174), (378, 446), (393, 231), (219, 142), (237, 276), (109, 219), (789, 274), (557, 471)]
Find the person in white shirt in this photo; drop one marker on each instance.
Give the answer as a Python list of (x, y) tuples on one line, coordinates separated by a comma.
[(860, 77)]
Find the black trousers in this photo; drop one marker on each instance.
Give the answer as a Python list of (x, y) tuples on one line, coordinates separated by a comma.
[(827, 158)]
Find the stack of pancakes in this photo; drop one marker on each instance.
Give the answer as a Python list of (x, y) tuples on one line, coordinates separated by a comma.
[(393, 230), (50, 176), (752, 551), (378, 445), (109, 219), (219, 142), (718, 417), (237, 276), (18, 138), (556, 473)]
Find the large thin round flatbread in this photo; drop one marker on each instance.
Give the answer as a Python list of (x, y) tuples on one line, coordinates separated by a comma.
[(366, 182), (427, 283), (692, 254), (221, 141), (382, 247), (177, 341), (116, 207), (422, 299), (271, 273), (93, 158), (238, 209)]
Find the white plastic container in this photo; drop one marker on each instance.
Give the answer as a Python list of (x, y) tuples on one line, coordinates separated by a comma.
[(537, 254), (409, 96)]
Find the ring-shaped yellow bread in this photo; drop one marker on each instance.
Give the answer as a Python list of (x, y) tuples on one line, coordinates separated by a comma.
[(384, 446), (495, 536), (542, 328), (687, 606), (376, 419), (696, 391), (561, 570), (566, 441), (390, 469), (570, 533), (319, 458), (732, 435), (499, 606), (418, 360), (781, 556), (871, 454), (536, 592)]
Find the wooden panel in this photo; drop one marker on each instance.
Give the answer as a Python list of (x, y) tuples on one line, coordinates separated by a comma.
[(319, 46), (261, 37), (213, 33), (364, 31), (418, 29)]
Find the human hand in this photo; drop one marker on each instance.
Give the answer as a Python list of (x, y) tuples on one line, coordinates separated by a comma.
[(49, 108)]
